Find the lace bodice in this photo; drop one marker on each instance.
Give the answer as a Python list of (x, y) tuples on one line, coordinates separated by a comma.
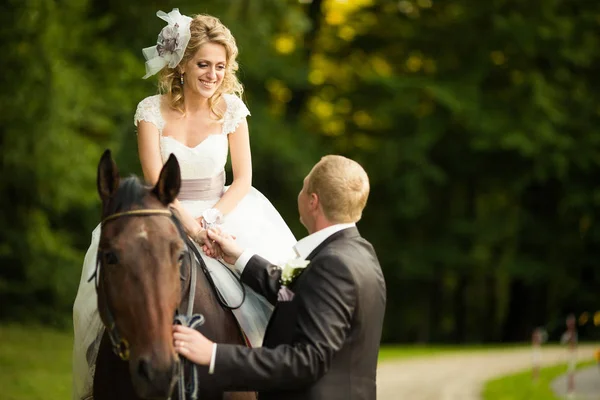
[(208, 158)]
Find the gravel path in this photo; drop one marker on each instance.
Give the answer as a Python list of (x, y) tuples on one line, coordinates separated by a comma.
[(459, 376), (587, 384)]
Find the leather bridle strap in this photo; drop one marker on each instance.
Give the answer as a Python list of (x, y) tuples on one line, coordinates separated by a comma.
[(137, 213), (121, 345)]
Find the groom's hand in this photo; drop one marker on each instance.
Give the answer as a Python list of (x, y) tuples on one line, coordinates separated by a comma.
[(230, 251), (192, 345)]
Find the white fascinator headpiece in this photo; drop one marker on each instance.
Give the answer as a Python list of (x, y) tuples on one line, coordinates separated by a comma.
[(171, 44)]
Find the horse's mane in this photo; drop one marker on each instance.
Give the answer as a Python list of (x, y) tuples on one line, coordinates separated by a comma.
[(130, 193)]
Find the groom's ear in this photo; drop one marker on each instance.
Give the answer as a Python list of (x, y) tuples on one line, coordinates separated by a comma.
[(313, 201)]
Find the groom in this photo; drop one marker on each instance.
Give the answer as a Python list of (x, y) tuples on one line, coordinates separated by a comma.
[(323, 338)]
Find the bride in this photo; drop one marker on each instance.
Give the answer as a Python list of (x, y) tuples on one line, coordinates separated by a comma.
[(199, 117)]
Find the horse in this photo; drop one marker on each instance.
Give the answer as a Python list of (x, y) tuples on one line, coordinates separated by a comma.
[(144, 275)]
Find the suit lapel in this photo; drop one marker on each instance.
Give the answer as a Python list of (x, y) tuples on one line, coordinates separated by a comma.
[(343, 234)]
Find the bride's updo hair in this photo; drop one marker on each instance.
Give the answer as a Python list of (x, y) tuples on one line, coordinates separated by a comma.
[(203, 29)]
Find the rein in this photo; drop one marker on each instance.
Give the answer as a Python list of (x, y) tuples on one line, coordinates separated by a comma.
[(208, 275), (121, 345)]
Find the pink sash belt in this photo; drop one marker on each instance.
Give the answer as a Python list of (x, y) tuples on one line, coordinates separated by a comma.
[(203, 188)]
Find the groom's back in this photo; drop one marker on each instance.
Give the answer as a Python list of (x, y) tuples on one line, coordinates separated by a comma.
[(352, 371)]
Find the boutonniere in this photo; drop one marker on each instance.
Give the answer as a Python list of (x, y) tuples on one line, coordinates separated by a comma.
[(289, 272)]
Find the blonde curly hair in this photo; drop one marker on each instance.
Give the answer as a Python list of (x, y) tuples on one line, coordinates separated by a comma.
[(204, 29)]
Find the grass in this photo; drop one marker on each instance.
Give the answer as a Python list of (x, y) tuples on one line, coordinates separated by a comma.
[(35, 363), (391, 352), (395, 352), (520, 386)]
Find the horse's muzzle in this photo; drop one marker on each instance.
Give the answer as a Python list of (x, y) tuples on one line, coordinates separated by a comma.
[(153, 381)]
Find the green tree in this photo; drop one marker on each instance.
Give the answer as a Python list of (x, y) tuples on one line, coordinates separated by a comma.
[(60, 95), (477, 124)]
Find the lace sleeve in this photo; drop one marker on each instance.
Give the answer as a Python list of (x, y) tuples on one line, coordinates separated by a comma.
[(149, 110), (236, 112)]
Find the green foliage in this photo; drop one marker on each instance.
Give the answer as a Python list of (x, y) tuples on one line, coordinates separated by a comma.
[(58, 107), (483, 120)]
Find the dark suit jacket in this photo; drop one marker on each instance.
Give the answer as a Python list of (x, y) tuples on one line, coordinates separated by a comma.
[(324, 343)]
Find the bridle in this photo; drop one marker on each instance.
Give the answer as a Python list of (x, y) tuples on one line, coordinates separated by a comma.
[(120, 344)]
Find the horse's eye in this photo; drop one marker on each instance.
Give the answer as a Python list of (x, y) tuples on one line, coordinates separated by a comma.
[(110, 258), (181, 258)]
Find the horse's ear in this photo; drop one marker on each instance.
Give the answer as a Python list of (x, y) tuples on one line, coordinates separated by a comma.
[(169, 182), (108, 176)]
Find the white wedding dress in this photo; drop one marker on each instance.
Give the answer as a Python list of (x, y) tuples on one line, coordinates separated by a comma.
[(255, 223)]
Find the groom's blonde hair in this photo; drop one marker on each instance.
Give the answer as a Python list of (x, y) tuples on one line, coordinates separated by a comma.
[(342, 186)]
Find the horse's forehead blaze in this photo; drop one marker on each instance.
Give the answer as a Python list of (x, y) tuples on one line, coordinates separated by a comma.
[(142, 231), (149, 229)]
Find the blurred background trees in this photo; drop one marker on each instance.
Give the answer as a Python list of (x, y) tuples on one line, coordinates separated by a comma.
[(476, 121)]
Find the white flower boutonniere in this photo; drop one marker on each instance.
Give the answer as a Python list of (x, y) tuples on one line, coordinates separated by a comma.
[(291, 270)]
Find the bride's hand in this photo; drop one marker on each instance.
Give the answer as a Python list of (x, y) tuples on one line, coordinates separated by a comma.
[(209, 247), (200, 236), (226, 243), (215, 250)]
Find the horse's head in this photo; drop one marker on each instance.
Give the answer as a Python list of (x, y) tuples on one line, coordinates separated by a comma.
[(140, 254)]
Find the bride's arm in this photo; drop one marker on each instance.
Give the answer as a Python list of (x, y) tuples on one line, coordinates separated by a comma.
[(149, 152), (241, 164)]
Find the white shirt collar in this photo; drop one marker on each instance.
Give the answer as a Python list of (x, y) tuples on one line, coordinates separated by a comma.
[(306, 245)]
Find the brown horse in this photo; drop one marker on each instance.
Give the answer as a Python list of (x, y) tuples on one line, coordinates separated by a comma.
[(144, 272)]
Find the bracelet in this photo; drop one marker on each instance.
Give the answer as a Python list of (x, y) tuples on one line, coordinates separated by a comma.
[(212, 218)]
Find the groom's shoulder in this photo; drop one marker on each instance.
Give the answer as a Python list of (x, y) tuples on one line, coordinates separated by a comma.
[(349, 247), (350, 260), (349, 237)]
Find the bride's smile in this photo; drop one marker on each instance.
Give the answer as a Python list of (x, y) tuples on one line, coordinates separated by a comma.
[(208, 84)]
